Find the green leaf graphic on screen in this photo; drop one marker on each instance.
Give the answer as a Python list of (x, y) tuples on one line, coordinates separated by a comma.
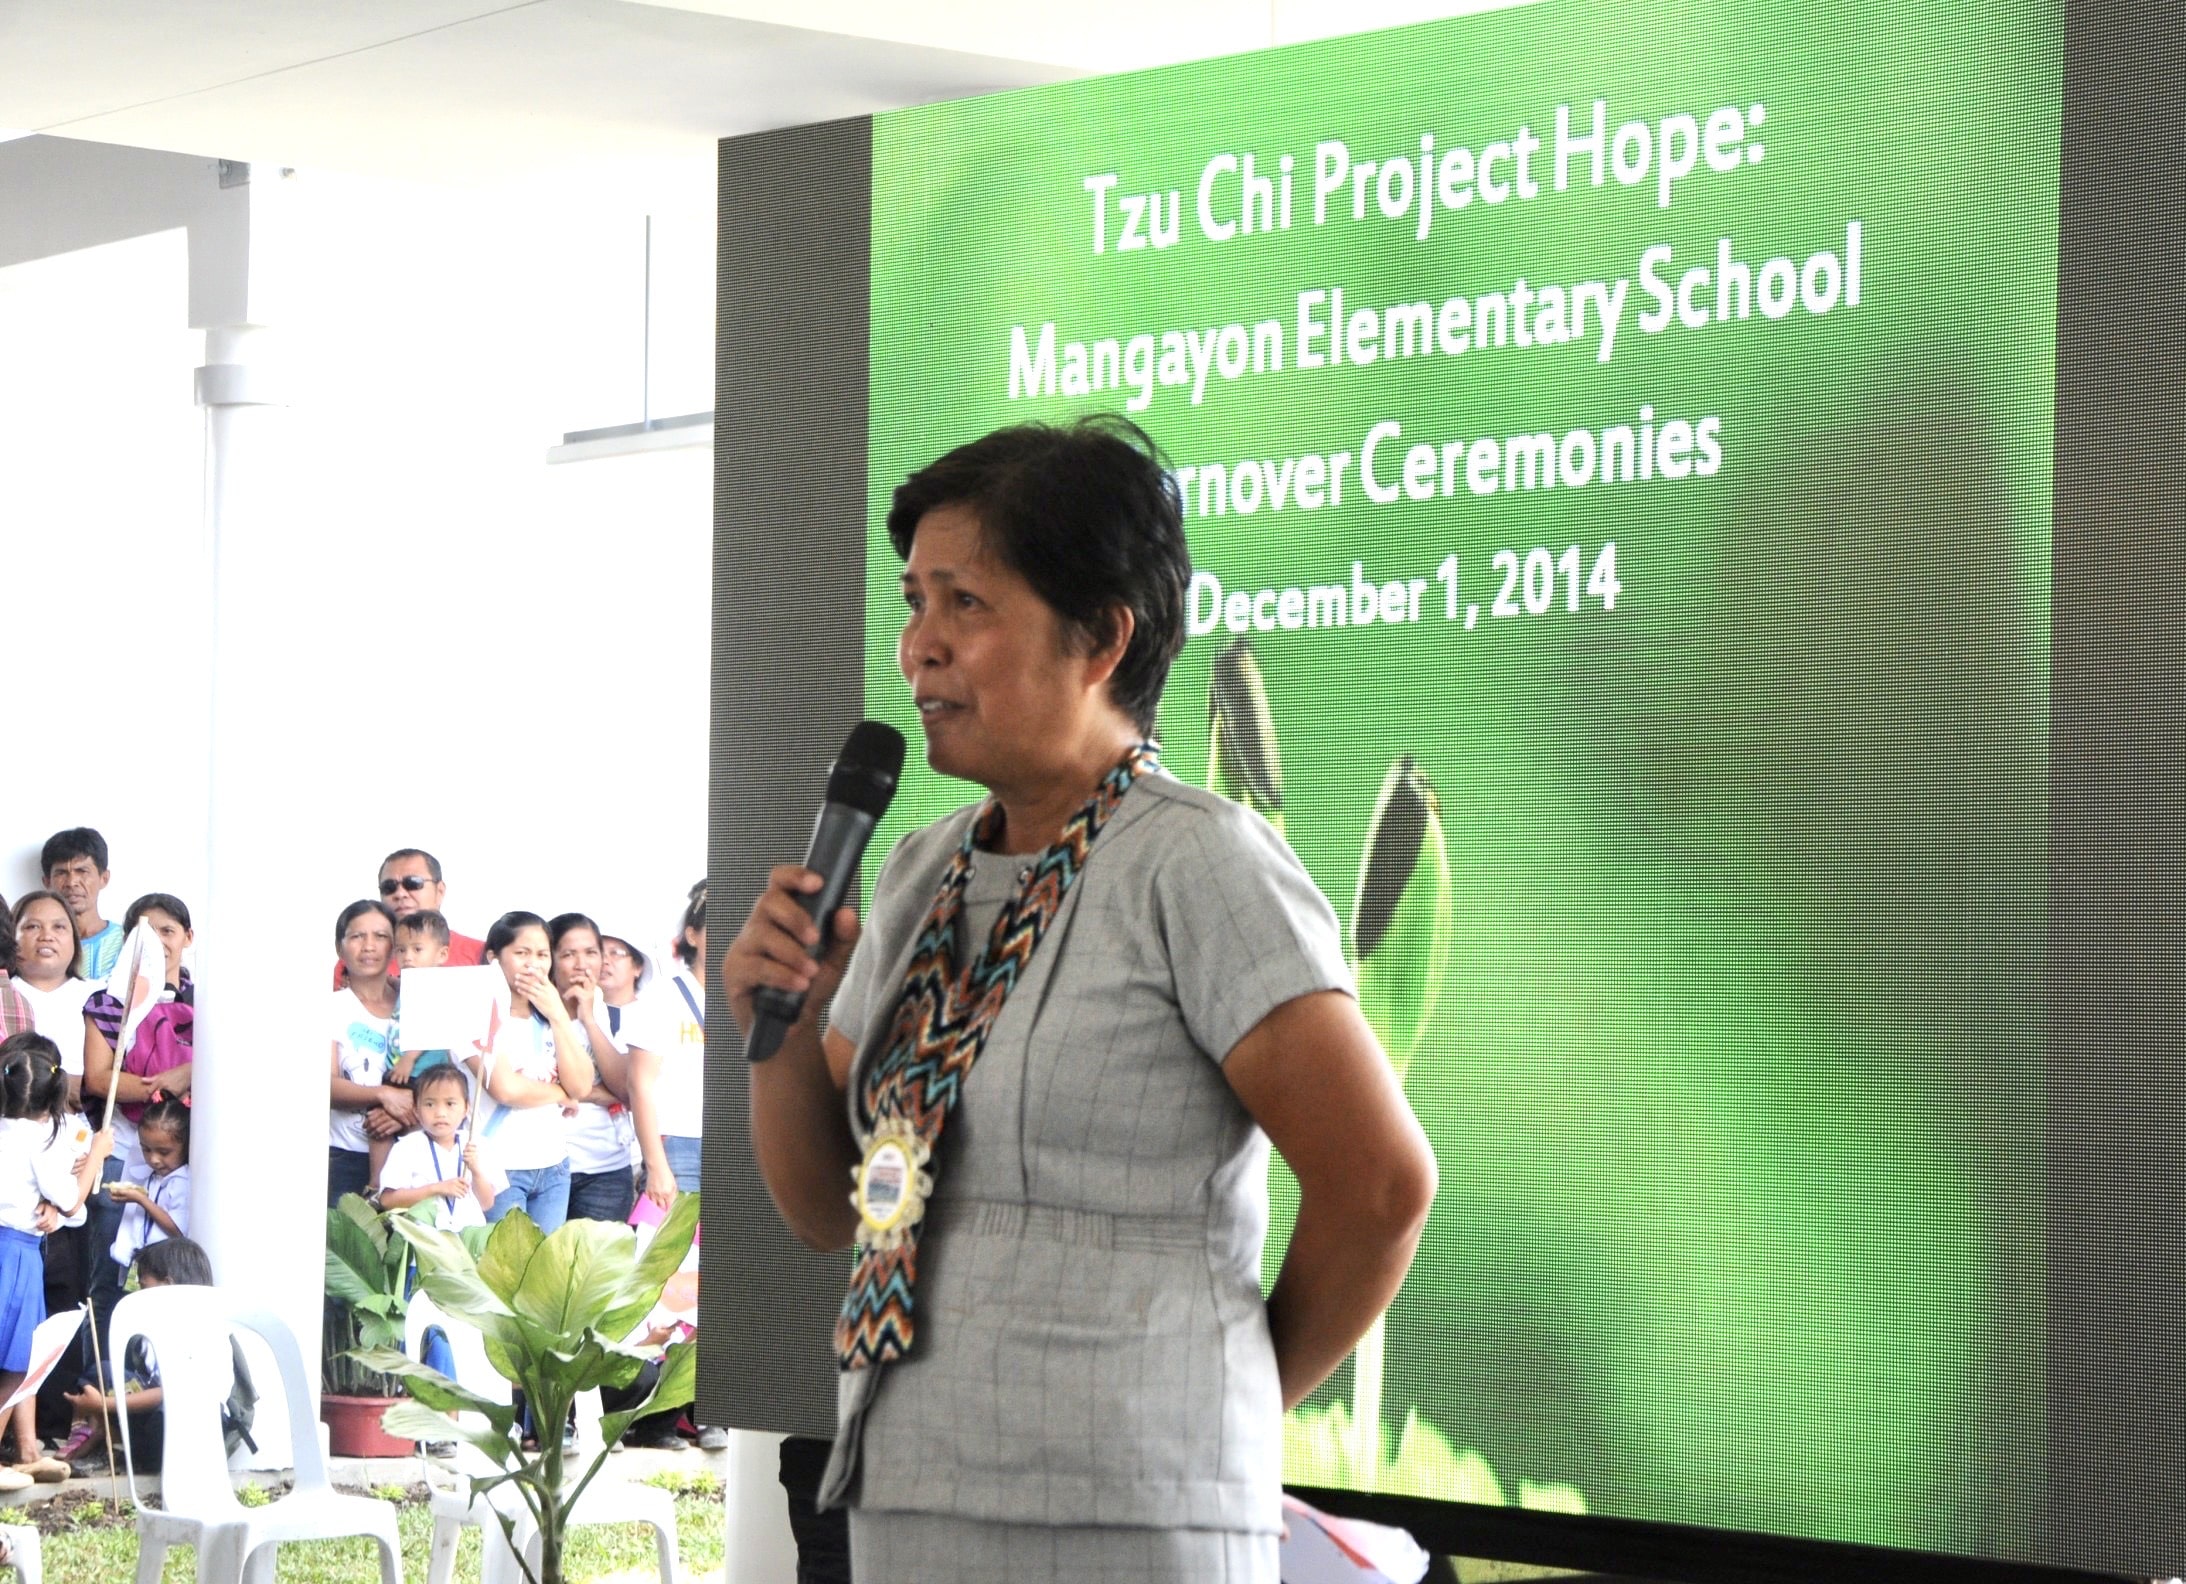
[(1243, 763), (1401, 919)]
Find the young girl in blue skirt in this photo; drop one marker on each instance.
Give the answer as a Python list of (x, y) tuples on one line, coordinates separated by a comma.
[(38, 1168)]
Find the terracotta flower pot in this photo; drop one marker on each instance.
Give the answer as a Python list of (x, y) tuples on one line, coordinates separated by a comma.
[(353, 1427)]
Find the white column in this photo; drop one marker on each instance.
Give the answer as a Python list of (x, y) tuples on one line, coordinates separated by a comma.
[(258, 1118)]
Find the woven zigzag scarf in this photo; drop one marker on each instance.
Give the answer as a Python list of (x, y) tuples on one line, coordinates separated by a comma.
[(941, 1026)]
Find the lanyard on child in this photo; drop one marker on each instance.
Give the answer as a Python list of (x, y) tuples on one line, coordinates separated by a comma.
[(438, 1175)]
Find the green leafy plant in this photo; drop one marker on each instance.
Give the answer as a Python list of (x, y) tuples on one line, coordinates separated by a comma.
[(555, 1313), (367, 1271)]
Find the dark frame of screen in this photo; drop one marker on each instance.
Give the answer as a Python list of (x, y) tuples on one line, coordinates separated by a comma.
[(789, 588)]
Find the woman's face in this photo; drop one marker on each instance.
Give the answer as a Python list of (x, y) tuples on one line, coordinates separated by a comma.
[(44, 944), (174, 938), (529, 950), (577, 958), (618, 969), (367, 946), (998, 694)]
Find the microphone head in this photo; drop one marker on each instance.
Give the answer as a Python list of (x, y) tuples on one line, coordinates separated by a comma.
[(865, 772)]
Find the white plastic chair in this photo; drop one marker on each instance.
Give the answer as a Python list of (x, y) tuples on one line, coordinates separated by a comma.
[(455, 1508), (187, 1330), (23, 1554)]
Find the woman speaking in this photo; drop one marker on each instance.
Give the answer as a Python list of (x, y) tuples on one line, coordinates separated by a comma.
[(1038, 1089)]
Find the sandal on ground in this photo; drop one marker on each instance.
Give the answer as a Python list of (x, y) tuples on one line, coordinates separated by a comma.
[(46, 1470), (14, 1479)]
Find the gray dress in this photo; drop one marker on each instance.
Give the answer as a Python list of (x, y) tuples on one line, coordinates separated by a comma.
[(1092, 1349)]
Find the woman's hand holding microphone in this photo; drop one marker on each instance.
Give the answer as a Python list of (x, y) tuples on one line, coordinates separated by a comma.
[(774, 948)]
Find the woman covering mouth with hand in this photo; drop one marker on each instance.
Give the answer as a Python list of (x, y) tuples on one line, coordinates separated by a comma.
[(1052, 1064)]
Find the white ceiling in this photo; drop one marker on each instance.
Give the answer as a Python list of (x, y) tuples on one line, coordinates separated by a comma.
[(601, 94), (622, 98)]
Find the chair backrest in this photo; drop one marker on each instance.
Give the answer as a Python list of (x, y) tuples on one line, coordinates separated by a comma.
[(187, 1330), (188, 1338), (296, 1389)]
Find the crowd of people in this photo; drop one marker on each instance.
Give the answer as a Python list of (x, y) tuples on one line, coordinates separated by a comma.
[(584, 1098)]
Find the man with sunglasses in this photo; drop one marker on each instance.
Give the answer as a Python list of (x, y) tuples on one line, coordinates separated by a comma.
[(409, 883)]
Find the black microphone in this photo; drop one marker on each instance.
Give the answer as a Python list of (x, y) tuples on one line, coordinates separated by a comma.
[(859, 788)]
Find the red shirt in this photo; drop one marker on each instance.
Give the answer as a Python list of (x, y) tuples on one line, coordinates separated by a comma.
[(463, 952)]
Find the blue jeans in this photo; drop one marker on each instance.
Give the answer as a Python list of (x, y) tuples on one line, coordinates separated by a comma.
[(541, 1192), (683, 1155), (602, 1196)]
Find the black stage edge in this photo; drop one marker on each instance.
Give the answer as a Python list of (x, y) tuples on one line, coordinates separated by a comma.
[(790, 402), (1627, 1549), (2117, 924)]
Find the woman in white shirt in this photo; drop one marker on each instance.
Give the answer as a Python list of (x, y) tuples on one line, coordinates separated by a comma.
[(362, 1023), (45, 973), (536, 1067), (602, 1187)]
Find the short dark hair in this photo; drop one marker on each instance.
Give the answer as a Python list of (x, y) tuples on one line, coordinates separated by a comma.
[(179, 1262), (436, 1075), (1089, 514), (8, 949), (432, 864), (172, 906), (425, 921), (357, 910), (78, 841)]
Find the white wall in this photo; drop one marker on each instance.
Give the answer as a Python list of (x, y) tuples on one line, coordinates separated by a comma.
[(497, 659), (100, 460)]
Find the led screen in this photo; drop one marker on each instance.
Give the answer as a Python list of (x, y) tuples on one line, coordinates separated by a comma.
[(1616, 451), (1618, 446)]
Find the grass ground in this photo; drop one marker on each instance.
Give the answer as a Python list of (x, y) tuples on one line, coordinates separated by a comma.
[(87, 1542)]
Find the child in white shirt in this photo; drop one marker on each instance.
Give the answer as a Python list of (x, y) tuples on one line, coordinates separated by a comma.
[(33, 1093), (440, 1162), (157, 1193)]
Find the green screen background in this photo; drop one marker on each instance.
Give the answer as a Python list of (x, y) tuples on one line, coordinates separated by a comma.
[(1734, 1065)]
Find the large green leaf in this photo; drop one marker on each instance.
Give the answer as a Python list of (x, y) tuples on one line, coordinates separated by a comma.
[(509, 1362), (510, 1246), (377, 1331), (676, 1385), (565, 1373), (420, 1423), (355, 1263), (576, 1277), (662, 1258), (358, 1212), (428, 1386), (451, 1280), (617, 1364)]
